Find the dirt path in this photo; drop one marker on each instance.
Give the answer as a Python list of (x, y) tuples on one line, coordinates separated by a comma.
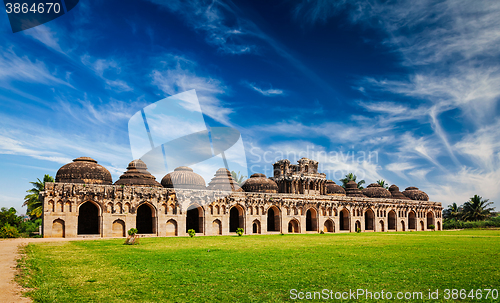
[(10, 291)]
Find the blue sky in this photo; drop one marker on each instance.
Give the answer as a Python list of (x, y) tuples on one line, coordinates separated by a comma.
[(402, 91)]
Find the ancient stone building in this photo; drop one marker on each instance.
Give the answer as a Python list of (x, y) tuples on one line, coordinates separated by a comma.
[(83, 202)]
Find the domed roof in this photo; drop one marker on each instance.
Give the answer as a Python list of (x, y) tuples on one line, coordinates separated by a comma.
[(415, 194), (260, 183), (396, 194), (333, 189), (223, 181), (374, 190), (352, 190), (183, 177), (84, 170), (137, 175)]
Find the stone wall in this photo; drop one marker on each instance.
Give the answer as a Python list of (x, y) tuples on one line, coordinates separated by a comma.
[(117, 207)]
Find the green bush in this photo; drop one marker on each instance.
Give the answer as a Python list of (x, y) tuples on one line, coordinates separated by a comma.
[(432, 226), (132, 232), (457, 224), (358, 230), (240, 231), (191, 232), (8, 231)]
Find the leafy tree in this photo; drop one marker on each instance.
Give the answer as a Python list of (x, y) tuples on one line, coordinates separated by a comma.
[(351, 177), (9, 216), (477, 209), (238, 177), (383, 184), (35, 206), (453, 212)]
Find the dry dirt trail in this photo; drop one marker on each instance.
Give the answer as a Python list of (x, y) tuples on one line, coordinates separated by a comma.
[(10, 291)]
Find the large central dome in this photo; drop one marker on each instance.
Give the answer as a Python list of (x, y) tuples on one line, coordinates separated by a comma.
[(137, 175), (183, 177)]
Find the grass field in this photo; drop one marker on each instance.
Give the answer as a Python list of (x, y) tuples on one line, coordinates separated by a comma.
[(261, 268)]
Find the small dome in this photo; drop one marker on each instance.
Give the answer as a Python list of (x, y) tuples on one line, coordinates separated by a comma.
[(374, 190), (260, 183), (333, 189), (84, 170), (352, 190), (183, 177), (396, 194), (223, 181), (415, 194), (137, 175)]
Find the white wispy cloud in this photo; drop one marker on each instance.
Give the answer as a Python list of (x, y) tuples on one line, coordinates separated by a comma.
[(270, 92), (108, 70)]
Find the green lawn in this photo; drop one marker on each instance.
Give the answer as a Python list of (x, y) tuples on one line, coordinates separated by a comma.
[(261, 268)]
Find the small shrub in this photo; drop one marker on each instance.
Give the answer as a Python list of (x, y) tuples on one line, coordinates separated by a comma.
[(240, 231), (8, 231), (132, 238), (191, 233), (132, 231), (432, 227), (322, 232), (358, 230)]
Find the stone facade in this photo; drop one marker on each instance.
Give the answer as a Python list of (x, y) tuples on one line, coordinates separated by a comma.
[(97, 210)]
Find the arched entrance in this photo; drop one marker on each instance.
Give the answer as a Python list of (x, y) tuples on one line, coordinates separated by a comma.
[(144, 219), (328, 226), (236, 218), (439, 225), (412, 221), (293, 226), (421, 225), (403, 225), (88, 219), (194, 219), (311, 220), (58, 229), (118, 228), (369, 220), (256, 227), (171, 228), (273, 219), (381, 223), (357, 226), (391, 220), (430, 220), (344, 219), (217, 227)]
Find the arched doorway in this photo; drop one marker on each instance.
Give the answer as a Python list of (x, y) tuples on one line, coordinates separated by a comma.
[(293, 226), (357, 226), (273, 219), (344, 219), (144, 219), (217, 227), (439, 225), (328, 226), (403, 225), (391, 220), (88, 219), (58, 229), (412, 221), (194, 219), (256, 227), (369, 220), (118, 228), (311, 220), (236, 218), (430, 220), (381, 223), (421, 225), (171, 228)]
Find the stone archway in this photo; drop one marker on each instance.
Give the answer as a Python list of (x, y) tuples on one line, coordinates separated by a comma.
[(357, 226), (118, 228), (293, 226), (144, 219), (256, 227), (430, 220), (311, 220), (236, 218), (438, 225), (273, 219), (369, 220), (88, 219), (344, 219), (217, 227), (328, 226), (194, 218), (403, 226), (391, 220), (422, 225), (412, 221), (172, 228), (58, 229), (381, 223)]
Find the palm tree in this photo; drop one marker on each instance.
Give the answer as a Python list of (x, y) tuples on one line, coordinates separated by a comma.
[(35, 206), (383, 184), (351, 177), (453, 212), (238, 177), (477, 209)]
